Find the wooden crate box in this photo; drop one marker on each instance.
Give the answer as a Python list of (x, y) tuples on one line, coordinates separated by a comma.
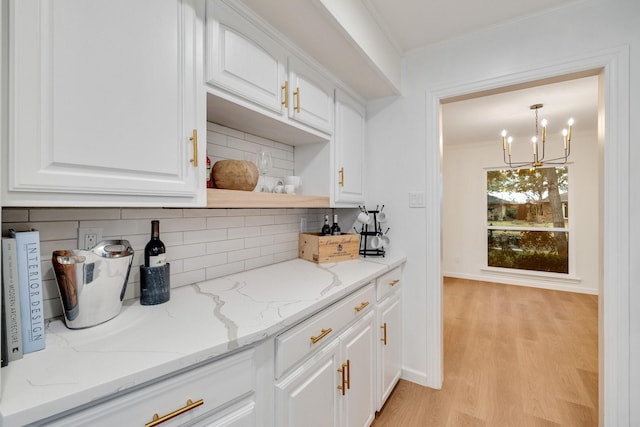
[(320, 249)]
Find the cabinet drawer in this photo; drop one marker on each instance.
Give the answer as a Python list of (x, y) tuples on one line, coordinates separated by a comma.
[(216, 384), (388, 282), (310, 335)]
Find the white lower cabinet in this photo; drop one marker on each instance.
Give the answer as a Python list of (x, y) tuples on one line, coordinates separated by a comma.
[(335, 387), (221, 393), (389, 343)]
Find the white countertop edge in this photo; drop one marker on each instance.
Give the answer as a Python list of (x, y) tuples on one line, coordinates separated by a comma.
[(27, 407)]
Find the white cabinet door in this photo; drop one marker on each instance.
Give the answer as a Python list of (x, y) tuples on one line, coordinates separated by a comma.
[(310, 97), (358, 402), (104, 97), (349, 150), (308, 396), (389, 347), (244, 60)]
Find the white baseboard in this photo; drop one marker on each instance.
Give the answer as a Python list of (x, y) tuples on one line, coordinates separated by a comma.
[(521, 280), (416, 377)]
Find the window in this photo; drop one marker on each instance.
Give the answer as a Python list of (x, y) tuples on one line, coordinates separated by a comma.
[(527, 219)]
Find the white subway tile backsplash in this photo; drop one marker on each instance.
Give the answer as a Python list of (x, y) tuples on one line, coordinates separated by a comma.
[(243, 254), (225, 246), (258, 262), (224, 270), (241, 232), (225, 222), (200, 262), (203, 236), (64, 214)]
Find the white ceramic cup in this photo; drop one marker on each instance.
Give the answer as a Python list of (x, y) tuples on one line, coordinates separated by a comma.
[(278, 188), (382, 217), (386, 242), (364, 218), (294, 180), (376, 242), (290, 189)]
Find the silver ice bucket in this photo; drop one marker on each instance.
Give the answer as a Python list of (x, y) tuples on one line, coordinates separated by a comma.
[(92, 282)]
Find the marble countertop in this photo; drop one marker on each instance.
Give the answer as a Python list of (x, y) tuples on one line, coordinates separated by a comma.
[(201, 321)]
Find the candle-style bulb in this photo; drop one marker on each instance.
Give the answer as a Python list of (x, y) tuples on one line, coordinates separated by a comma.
[(504, 134), (544, 130), (570, 123), (509, 141)]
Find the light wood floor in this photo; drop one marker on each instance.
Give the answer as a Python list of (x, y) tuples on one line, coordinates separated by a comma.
[(513, 356)]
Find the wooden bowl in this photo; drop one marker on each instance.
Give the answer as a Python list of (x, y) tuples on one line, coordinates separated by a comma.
[(235, 175)]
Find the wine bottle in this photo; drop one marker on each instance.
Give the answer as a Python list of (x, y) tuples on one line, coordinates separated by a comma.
[(154, 252), (335, 228), (326, 228)]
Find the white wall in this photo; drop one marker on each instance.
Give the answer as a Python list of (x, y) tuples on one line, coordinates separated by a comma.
[(398, 132), (465, 206)]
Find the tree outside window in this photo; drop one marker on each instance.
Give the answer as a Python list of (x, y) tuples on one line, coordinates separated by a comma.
[(527, 225)]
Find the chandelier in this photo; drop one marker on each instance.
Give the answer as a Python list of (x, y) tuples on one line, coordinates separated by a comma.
[(538, 145)]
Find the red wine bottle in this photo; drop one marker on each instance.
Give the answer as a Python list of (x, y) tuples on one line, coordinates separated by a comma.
[(154, 251), (335, 228), (326, 228)]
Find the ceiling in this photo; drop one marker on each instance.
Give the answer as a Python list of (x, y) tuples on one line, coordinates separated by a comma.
[(411, 24), (482, 118)]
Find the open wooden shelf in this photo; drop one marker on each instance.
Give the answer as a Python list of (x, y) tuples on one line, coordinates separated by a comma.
[(249, 199)]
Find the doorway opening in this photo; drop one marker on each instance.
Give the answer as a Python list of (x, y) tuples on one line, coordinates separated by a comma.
[(614, 286)]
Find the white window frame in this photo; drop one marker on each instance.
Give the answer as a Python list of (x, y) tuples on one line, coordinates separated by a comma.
[(570, 275)]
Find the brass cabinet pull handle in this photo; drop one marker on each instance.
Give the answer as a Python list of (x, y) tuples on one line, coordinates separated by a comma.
[(296, 93), (194, 138), (348, 374), (343, 371), (156, 420), (285, 89), (384, 333), (394, 282), (362, 306), (323, 333), (341, 172)]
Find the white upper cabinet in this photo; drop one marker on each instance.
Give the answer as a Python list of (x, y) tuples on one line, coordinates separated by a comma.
[(105, 100), (248, 66), (310, 96), (349, 150), (244, 60)]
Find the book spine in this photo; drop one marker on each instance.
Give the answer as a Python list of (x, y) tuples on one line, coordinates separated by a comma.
[(30, 280), (11, 294), (4, 358)]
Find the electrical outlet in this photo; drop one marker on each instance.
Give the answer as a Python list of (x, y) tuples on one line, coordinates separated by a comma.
[(88, 238), (303, 225)]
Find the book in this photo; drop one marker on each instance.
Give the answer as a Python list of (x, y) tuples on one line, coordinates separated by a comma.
[(4, 359), (30, 285), (11, 320)]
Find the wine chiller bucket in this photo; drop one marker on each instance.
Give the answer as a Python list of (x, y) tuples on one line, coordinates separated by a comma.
[(92, 282)]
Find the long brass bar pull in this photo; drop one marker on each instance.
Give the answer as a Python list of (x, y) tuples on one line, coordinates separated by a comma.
[(384, 333), (296, 93), (341, 172), (394, 282), (285, 97), (348, 374), (343, 372), (194, 139), (159, 420), (362, 306), (323, 333)]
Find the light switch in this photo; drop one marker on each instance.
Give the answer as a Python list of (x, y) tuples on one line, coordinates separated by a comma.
[(416, 199)]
